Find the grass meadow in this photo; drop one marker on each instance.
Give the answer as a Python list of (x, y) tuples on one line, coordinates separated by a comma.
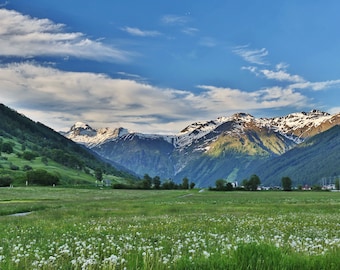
[(136, 229)]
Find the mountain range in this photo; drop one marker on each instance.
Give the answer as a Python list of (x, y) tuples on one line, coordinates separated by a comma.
[(231, 148)]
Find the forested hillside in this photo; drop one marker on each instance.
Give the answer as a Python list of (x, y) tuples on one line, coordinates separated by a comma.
[(308, 163), (27, 146)]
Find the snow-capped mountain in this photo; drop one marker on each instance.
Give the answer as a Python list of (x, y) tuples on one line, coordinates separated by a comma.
[(227, 147), (295, 126), (299, 126), (84, 134)]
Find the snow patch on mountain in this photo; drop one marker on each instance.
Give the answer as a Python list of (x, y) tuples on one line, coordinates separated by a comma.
[(295, 126), (198, 130), (83, 134)]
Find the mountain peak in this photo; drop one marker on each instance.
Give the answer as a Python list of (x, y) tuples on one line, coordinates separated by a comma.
[(312, 113), (81, 125), (243, 116), (80, 128), (84, 134), (319, 112)]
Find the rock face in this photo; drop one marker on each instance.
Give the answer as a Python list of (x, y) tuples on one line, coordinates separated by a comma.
[(229, 147)]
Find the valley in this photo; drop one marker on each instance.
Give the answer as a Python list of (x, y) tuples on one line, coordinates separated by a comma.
[(302, 146)]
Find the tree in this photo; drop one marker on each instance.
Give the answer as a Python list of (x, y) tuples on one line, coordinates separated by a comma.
[(169, 184), (254, 182), (337, 184), (286, 183), (220, 184), (7, 148), (156, 182), (41, 177), (192, 185), (245, 183), (98, 174), (185, 183), (44, 160), (28, 155), (251, 184), (147, 181), (5, 181)]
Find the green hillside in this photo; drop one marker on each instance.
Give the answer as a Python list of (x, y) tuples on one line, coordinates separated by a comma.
[(308, 163), (28, 146)]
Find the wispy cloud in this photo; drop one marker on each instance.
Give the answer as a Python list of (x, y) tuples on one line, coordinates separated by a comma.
[(292, 81), (24, 36), (141, 33), (278, 74), (316, 86), (190, 31), (254, 56), (207, 42), (132, 76), (174, 19), (281, 76), (59, 98)]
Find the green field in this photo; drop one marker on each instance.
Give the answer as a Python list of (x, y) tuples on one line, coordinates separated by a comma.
[(127, 229)]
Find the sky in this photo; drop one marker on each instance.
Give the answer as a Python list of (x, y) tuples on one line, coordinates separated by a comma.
[(157, 66)]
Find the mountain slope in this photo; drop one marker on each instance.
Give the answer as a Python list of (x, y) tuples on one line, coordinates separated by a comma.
[(231, 150), (139, 153), (72, 162), (308, 163)]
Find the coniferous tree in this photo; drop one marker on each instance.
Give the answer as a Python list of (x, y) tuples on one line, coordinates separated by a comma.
[(286, 183), (185, 183)]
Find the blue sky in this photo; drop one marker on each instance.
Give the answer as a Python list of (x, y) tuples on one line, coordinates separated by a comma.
[(157, 66)]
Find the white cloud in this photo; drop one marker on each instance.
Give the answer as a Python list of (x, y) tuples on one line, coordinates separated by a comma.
[(281, 75), (190, 31), (58, 99), (24, 36), (316, 86), (282, 66), (87, 96), (254, 56), (138, 32), (174, 19), (294, 81), (235, 99), (252, 69)]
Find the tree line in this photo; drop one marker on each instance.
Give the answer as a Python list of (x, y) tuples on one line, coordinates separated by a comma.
[(251, 184), (155, 183)]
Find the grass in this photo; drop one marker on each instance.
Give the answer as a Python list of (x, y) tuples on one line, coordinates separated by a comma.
[(128, 229)]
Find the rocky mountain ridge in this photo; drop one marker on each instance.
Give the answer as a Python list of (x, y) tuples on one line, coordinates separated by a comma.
[(295, 126), (228, 147)]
